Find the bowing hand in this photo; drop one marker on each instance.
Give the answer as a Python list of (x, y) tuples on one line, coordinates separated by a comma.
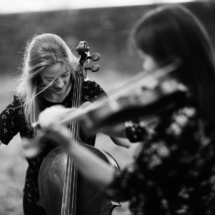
[(54, 132), (57, 133), (53, 115), (60, 115)]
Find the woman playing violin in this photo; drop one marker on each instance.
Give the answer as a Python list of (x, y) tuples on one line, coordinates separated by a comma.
[(47, 78), (174, 171)]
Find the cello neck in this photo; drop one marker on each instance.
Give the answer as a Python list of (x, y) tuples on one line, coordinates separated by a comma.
[(70, 184)]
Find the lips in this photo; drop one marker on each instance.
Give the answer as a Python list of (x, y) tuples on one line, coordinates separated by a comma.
[(60, 90)]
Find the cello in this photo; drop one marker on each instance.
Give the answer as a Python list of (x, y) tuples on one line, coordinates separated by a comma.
[(62, 189)]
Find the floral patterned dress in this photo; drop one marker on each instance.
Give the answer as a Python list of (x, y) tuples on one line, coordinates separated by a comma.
[(13, 122), (174, 172)]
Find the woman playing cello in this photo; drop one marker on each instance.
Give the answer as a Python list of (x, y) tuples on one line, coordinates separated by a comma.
[(47, 79), (175, 169)]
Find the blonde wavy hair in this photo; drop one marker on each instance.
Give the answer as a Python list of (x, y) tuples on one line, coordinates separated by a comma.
[(41, 51)]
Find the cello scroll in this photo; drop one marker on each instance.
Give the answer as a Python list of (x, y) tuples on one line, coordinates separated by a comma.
[(83, 51)]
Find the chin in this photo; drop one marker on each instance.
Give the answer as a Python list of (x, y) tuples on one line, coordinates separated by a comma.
[(59, 91)]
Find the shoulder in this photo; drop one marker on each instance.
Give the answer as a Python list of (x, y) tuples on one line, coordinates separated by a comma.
[(92, 91), (93, 87), (91, 84), (14, 106), (17, 102)]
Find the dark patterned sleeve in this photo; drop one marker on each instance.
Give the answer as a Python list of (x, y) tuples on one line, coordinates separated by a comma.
[(93, 91), (136, 131), (10, 119)]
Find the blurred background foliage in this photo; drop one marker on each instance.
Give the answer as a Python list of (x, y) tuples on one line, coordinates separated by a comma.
[(107, 31)]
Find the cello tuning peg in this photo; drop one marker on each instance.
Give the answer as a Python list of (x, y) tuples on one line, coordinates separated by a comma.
[(94, 57), (93, 68)]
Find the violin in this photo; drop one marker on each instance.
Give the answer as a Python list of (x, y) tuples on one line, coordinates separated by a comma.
[(145, 95), (63, 190)]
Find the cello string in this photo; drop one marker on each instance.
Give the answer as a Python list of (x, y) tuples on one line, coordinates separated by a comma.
[(72, 175), (67, 185), (74, 135)]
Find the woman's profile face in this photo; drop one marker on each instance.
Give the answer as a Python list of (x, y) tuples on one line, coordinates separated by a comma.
[(59, 74)]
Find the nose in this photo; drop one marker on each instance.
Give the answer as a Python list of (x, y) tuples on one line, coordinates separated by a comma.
[(59, 83)]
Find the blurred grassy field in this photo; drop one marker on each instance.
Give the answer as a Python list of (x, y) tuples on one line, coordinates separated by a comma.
[(13, 164)]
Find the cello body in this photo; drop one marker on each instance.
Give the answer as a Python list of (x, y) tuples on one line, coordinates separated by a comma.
[(90, 200)]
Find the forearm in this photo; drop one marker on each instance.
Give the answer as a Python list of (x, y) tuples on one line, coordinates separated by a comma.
[(91, 166), (115, 130), (121, 142)]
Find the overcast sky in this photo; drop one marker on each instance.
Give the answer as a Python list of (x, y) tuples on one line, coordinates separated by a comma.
[(16, 6)]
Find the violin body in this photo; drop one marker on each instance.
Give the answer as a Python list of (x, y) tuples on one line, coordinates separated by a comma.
[(90, 200), (130, 108)]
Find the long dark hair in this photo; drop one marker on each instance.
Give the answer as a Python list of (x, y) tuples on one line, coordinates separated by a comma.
[(171, 32)]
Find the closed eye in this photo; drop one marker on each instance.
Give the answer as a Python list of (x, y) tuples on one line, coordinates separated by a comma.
[(49, 79), (65, 74)]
